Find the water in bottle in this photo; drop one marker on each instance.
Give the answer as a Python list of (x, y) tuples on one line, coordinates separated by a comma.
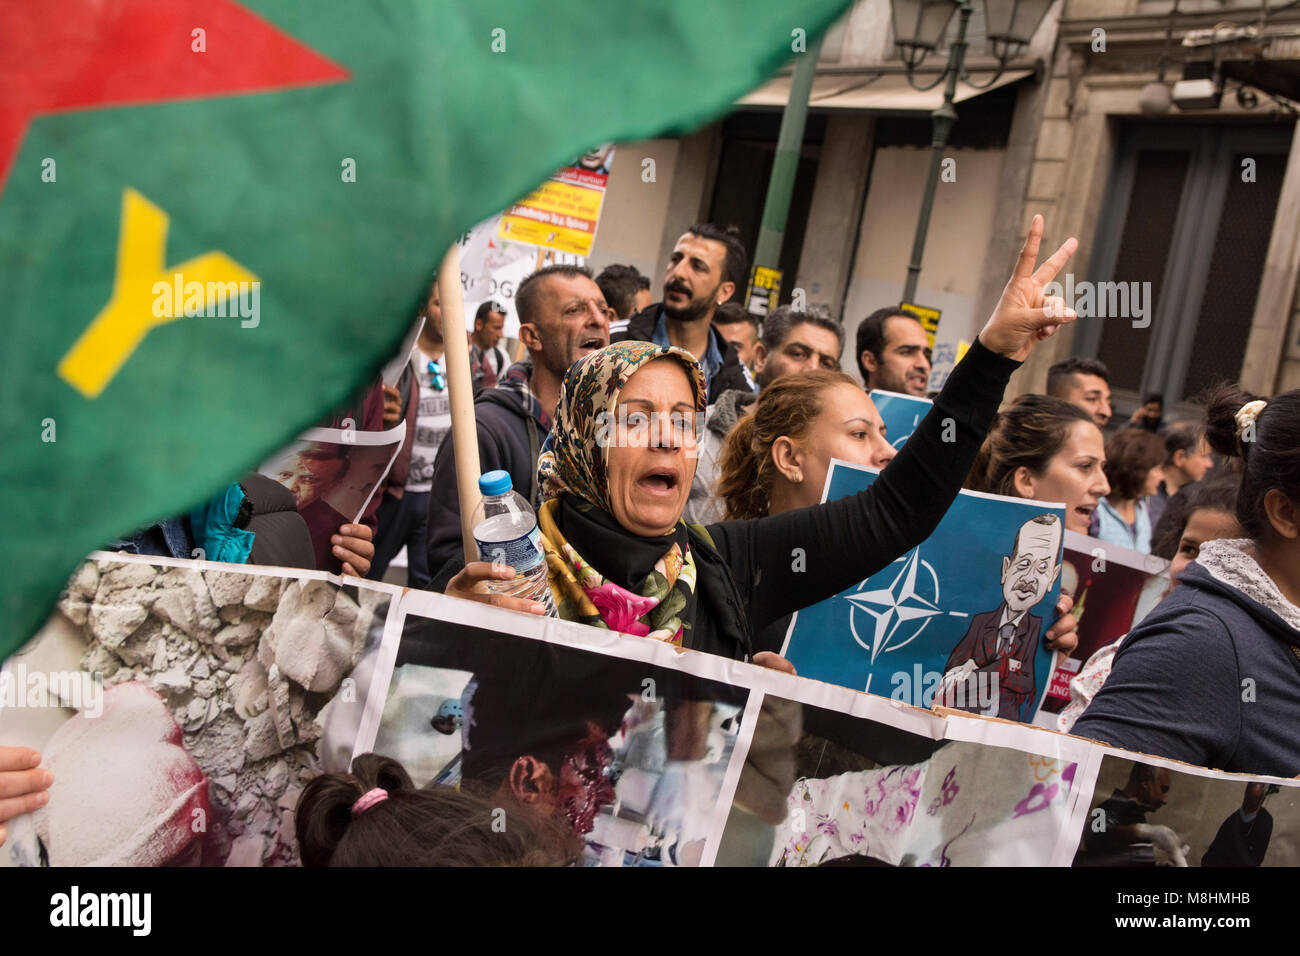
[(505, 529)]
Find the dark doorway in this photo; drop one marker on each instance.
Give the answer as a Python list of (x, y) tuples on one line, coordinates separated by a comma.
[(744, 168), (1190, 210)]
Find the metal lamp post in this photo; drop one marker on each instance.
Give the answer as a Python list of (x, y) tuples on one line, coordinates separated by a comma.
[(919, 26)]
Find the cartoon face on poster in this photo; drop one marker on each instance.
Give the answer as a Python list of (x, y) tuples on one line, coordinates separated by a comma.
[(901, 414), (961, 616)]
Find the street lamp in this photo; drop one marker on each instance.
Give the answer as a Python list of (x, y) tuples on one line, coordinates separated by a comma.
[(919, 26)]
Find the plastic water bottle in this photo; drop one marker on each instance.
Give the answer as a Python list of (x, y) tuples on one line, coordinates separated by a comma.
[(505, 529)]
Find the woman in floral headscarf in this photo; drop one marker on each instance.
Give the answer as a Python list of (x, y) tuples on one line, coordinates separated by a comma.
[(617, 472)]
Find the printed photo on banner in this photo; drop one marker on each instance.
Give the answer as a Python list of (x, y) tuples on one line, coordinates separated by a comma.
[(1148, 812), (900, 413), (890, 791), (210, 697), (628, 754), (333, 473), (958, 620), (1113, 588)]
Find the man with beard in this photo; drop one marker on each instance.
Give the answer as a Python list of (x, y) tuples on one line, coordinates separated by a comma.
[(894, 352), (1000, 644), (706, 268)]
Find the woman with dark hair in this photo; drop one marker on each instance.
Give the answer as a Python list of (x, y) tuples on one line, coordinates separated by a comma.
[(1133, 470), (375, 816), (1212, 675), (618, 553), (1206, 511), (1046, 449)]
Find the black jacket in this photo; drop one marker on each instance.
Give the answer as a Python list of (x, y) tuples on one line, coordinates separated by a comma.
[(848, 540), (732, 374)]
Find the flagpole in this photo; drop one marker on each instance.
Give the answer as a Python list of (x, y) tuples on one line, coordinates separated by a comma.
[(460, 392)]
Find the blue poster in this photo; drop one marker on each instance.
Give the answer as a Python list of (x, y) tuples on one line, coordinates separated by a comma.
[(962, 616), (902, 413)]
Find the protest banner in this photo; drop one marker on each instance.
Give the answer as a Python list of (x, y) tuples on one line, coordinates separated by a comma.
[(622, 738), (1113, 588), (962, 615), (885, 784), (1146, 811), (221, 690), (900, 413), (210, 694)]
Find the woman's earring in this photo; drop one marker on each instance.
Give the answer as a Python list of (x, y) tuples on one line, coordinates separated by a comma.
[(797, 477)]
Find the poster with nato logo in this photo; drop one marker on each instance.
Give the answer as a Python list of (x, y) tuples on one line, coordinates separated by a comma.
[(901, 414), (957, 621)]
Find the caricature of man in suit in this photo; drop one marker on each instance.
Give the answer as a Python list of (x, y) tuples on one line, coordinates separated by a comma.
[(1002, 642)]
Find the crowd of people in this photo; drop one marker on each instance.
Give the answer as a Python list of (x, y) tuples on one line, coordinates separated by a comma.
[(692, 532)]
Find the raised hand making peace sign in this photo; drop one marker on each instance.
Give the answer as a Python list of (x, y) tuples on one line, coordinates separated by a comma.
[(1024, 316)]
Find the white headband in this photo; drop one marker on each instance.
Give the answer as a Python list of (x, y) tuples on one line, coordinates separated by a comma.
[(1247, 414)]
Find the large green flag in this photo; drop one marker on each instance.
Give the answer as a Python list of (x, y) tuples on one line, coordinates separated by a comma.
[(324, 154)]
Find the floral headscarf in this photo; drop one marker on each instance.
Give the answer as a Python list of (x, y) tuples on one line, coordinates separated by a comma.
[(573, 459)]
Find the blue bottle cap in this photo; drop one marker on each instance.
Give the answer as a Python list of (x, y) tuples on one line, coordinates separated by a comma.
[(495, 483)]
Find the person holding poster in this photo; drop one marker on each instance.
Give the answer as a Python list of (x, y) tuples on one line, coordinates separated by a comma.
[(1207, 512), (1209, 676), (618, 553)]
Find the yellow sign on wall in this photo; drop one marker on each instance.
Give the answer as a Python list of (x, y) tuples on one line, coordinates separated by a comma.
[(929, 319)]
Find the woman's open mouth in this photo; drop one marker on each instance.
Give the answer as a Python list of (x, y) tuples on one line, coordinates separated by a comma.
[(659, 482)]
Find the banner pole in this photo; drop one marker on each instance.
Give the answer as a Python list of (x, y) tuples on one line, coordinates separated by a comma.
[(460, 392)]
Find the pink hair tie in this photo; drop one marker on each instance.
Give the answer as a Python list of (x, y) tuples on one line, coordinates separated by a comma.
[(368, 800)]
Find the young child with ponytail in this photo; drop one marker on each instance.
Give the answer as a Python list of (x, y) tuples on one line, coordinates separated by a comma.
[(1212, 675), (375, 816)]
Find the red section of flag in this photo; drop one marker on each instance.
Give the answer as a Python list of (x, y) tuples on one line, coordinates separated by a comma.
[(67, 55)]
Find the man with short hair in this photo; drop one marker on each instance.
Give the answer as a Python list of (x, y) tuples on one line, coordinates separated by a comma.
[(706, 268), (739, 327), (1187, 459), (1083, 382), (792, 342), (894, 352), (562, 317), (621, 286), (797, 342), (486, 356)]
